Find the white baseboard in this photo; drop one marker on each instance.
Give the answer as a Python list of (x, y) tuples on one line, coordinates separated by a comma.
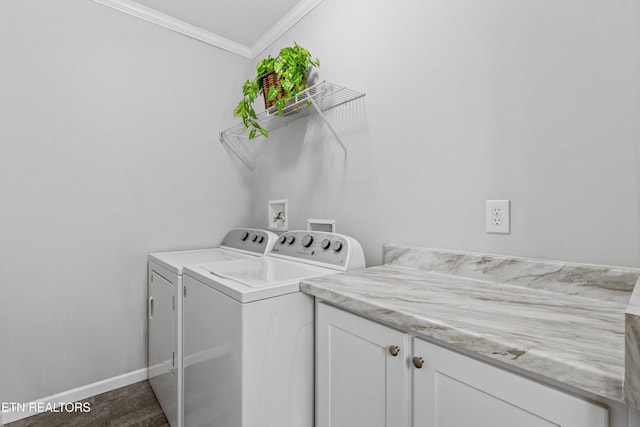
[(73, 395)]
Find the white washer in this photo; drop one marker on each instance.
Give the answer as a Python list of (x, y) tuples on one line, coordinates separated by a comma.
[(248, 333), (165, 309)]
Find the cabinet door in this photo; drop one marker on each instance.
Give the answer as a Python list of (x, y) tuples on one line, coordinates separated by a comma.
[(452, 390), (358, 380)]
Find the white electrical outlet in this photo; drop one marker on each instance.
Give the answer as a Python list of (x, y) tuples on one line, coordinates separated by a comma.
[(498, 216)]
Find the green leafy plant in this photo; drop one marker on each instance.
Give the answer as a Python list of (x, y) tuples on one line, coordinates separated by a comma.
[(291, 67)]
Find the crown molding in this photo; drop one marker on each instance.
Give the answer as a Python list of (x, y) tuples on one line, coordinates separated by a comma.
[(148, 14), (284, 24)]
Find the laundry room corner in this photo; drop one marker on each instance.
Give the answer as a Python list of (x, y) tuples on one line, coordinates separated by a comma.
[(109, 152)]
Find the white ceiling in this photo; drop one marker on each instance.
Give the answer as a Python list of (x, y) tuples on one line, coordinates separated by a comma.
[(245, 27), (243, 21)]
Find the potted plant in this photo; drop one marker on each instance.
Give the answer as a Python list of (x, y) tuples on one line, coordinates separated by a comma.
[(278, 80)]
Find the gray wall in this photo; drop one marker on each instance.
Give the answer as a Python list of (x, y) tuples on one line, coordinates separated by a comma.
[(108, 151), (537, 102)]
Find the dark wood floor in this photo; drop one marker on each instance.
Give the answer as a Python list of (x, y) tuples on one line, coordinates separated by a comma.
[(134, 405)]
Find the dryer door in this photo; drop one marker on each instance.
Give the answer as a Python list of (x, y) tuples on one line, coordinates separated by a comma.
[(163, 319), (161, 326)]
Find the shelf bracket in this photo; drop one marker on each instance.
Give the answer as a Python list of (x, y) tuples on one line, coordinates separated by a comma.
[(244, 157), (326, 122)]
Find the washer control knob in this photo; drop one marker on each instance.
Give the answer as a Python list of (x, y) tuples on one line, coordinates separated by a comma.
[(260, 239), (254, 238), (325, 244), (337, 246), (291, 239), (245, 236), (307, 240), (282, 239)]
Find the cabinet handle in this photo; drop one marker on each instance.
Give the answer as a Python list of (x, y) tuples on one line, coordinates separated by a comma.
[(150, 308), (394, 350), (417, 361)]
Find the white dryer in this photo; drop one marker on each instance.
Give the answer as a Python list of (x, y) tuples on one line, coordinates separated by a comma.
[(165, 309), (248, 333)]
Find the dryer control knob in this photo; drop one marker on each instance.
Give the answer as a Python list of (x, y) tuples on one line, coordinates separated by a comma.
[(254, 238), (260, 239), (291, 239), (337, 246), (245, 236), (307, 240), (282, 239), (325, 244)]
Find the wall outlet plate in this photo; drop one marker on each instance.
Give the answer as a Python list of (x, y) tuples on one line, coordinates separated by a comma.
[(328, 225), (498, 216)]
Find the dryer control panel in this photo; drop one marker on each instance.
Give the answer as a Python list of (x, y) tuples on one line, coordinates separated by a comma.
[(327, 249), (250, 240)]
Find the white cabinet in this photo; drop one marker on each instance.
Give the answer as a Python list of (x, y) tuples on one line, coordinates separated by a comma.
[(455, 390), (360, 383)]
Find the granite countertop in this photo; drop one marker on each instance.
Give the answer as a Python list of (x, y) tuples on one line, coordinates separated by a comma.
[(562, 321)]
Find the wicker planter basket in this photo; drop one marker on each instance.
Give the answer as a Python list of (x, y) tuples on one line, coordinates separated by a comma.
[(272, 79)]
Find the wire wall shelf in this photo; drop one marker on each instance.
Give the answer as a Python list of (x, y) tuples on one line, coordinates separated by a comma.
[(315, 99)]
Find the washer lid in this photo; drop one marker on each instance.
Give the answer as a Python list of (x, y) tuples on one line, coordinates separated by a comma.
[(264, 271)]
